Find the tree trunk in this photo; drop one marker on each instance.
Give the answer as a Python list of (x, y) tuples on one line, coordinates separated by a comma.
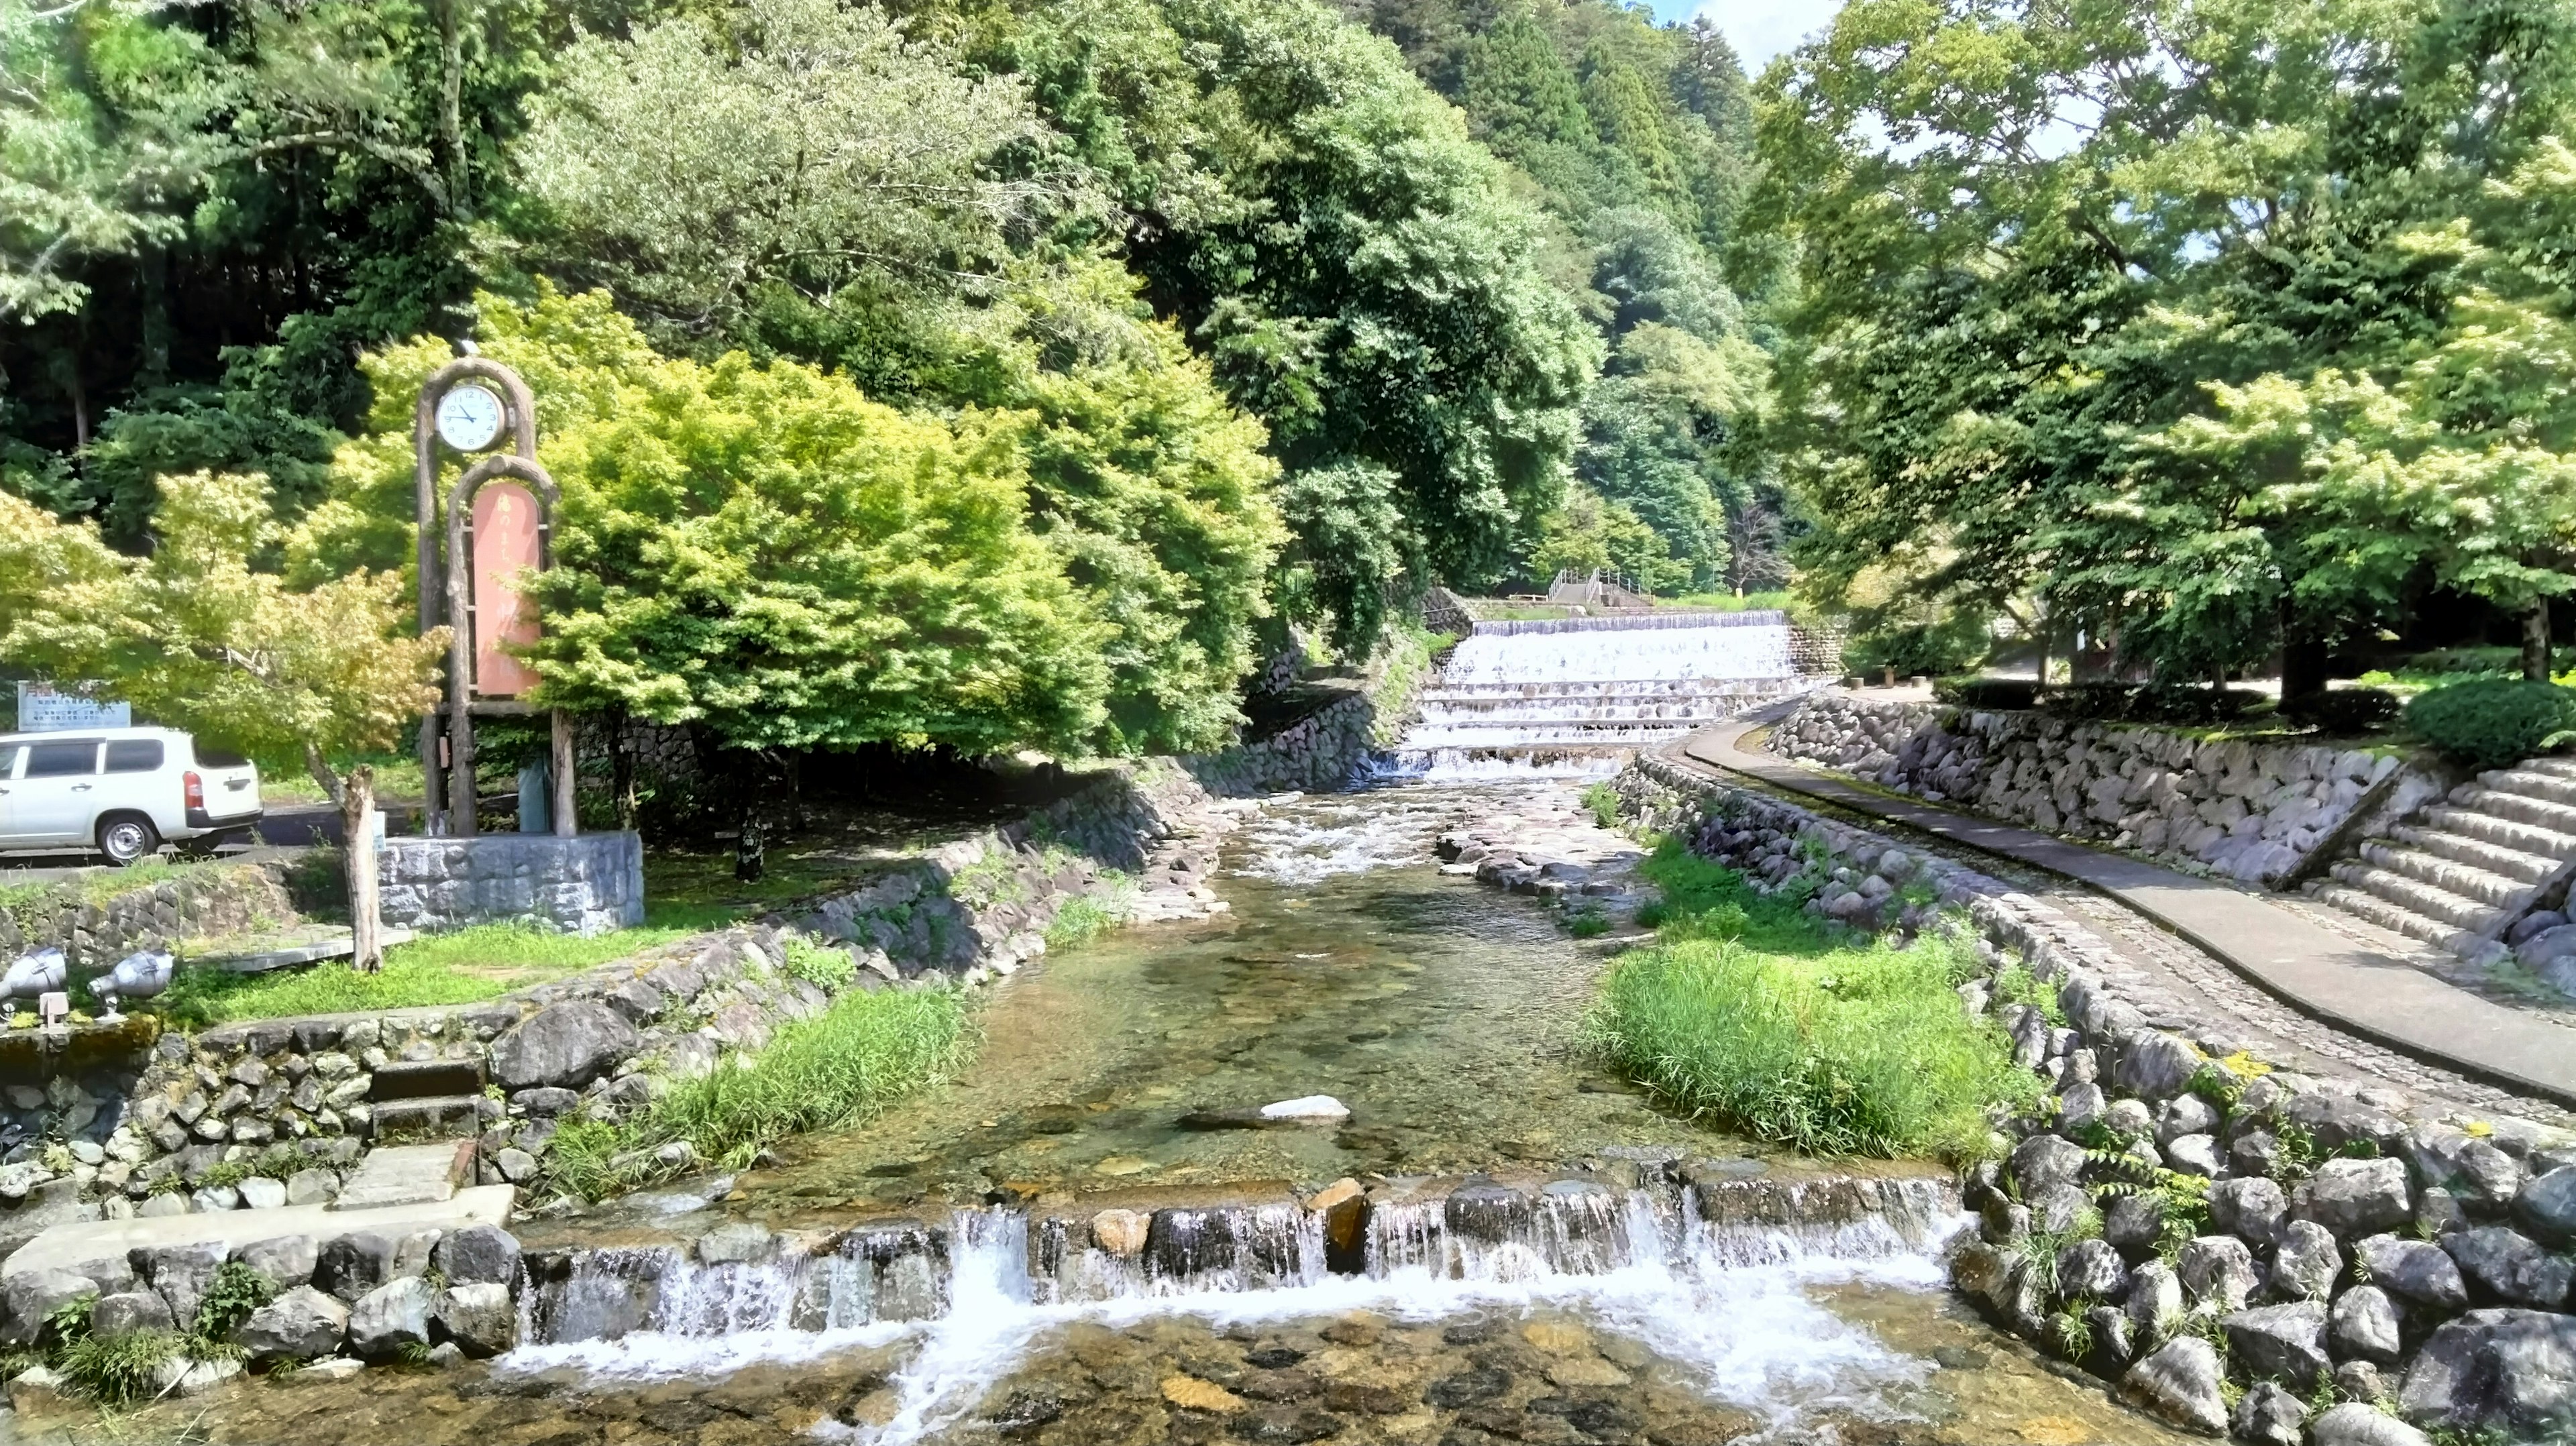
[(621, 766), (358, 846), (566, 822), (2039, 630), (2535, 642), (320, 769), (2303, 667), (451, 121)]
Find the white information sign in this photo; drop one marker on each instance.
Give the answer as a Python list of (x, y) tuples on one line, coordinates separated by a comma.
[(43, 708)]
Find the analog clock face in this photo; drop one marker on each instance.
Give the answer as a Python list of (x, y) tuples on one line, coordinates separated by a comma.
[(469, 417)]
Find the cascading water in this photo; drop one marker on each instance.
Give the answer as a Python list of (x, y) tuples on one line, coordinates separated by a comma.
[(1577, 695), (1715, 1277)]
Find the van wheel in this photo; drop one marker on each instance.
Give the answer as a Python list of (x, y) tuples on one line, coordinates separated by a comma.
[(127, 838)]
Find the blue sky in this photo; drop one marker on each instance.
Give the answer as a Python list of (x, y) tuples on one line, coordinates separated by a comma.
[(1759, 29)]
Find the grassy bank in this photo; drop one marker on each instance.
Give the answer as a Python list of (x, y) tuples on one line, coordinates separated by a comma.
[(463, 967), (835, 1069), (1750, 1011)]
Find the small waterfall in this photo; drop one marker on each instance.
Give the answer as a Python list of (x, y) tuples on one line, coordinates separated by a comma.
[(1578, 695), (1710, 1275)]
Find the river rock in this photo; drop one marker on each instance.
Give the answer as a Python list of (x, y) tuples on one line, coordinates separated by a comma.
[(2196, 1155), (29, 1297), (351, 1265), (2133, 1222), (1120, 1232), (2306, 1262), (566, 1045), (2412, 1270), (300, 1325), (2546, 1206), (287, 1260), (2472, 1167), (2503, 1263), (2179, 1381), (2365, 1325), (739, 1242), (127, 1312), (2043, 1161), (2280, 1340), (2336, 1119), (2513, 1370), (2217, 1271), (2360, 1381), (391, 1317), (2250, 1210), (2355, 1197), (480, 1253), (2155, 1295), (2354, 1424), (185, 1376), (2270, 1415), (2185, 1115), (2090, 1269), (179, 1273), (2059, 1208), (478, 1317)]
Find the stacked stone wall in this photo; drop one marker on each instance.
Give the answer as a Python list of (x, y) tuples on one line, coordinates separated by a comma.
[(2237, 1248), (587, 884), (2254, 812), (201, 901)]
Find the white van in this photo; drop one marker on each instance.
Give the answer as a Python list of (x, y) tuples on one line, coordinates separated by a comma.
[(122, 791)]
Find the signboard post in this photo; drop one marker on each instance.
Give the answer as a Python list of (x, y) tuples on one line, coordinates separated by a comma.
[(44, 708)]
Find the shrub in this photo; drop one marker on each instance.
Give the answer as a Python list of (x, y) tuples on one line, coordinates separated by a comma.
[(2107, 701), (1990, 693), (1603, 800), (2174, 703), (2344, 710), (1079, 920), (829, 970), (2494, 723)]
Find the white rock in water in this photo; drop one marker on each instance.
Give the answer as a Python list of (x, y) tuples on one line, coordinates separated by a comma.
[(1321, 1109)]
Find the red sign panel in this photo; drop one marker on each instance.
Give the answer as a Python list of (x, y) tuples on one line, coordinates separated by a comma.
[(505, 549)]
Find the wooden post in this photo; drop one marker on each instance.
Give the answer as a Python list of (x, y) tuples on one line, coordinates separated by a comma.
[(2535, 642), (566, 825), (358, 842)]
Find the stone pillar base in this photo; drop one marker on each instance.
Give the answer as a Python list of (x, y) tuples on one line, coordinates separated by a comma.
[(586, 884)]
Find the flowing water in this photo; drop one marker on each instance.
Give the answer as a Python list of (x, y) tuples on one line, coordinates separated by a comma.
[(1573, 696), (1079, 1243)]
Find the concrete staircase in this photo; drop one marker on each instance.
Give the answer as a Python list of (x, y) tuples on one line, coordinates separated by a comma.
[(2458, 872)]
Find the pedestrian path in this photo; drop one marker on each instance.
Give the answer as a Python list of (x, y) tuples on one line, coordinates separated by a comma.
[(2376, 995)]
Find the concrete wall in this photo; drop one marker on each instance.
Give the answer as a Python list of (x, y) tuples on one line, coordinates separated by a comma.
[(587, 884)]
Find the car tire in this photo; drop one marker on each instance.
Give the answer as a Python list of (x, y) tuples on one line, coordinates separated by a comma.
[(127, 838)]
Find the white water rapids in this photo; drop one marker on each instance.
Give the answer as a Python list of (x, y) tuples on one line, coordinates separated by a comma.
[(1574, 696)]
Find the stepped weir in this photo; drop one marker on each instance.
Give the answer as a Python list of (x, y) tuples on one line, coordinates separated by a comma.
[(1577, 696)]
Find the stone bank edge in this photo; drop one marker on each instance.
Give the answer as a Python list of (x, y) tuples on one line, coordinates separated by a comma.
[(2416, 1279)]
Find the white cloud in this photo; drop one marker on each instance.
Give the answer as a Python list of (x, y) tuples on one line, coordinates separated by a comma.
[(1761, 29)]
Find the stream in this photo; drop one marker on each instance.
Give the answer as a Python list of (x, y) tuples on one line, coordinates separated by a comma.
[(1549, 1257)]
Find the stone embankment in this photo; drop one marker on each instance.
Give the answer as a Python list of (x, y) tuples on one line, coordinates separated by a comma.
[(2240, 1249), (1557, 852), (124, 1120), (201, 901), (2257, 813)]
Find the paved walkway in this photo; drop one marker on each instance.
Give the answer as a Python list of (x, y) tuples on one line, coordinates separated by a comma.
[(2376, 995)]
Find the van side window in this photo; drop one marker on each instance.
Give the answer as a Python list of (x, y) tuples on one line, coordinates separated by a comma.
[(62, 760), (134, 755), (217, 757), (8, 760)]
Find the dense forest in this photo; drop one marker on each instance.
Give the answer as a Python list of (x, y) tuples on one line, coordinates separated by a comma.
[(1027, 373)]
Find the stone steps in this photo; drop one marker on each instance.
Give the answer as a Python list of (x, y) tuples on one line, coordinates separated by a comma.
[(2451, 876), (408, 1175), (2505, 832), (2521, 808), (2494, 858), (2531, 783), (2429, 900), (2395, 918)]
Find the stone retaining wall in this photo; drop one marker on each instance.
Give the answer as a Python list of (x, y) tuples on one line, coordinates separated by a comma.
[(2232, 1244), (587, 884), (203, 900), (127, 1120), (2253, 812)]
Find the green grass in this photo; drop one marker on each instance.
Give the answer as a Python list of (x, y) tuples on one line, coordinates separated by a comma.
[(1729, 602), (834, 1069), (1603, 800), (463, 967), (1080, 920), (1751, 1012)]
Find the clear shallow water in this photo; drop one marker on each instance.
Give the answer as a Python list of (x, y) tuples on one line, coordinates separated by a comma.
[(1445, 1015)]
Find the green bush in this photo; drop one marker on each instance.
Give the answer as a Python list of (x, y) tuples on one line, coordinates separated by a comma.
[(833, 1069), (1747, 1011), (830, 970), (2344, 710), (1603, 800), (2099, 701), (2494, 723), (2192, 705)]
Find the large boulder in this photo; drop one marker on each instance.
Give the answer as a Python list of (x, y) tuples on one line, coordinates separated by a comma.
[(2090, 1269), (2270, 1416), (478, 1317), (2179, 1381), (2354, 1424), (2250, 1209), (2043, 1161), (2509, 1370), (179, 1274), (2474, 1168), (2336, 1120), (2155, 1295), (287, 1260), (2155, 1066), (566, 1045), (477, 1253), (391, 1318), (2366, 1325), (2546, 1206), (2306, 1262), (2355, 1197), (2505, 1264), (29, 1298), (353, 1264), (301, 1325), (2217, 1271), (127, 1312), (2288, 1341), (2412, 1270)]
